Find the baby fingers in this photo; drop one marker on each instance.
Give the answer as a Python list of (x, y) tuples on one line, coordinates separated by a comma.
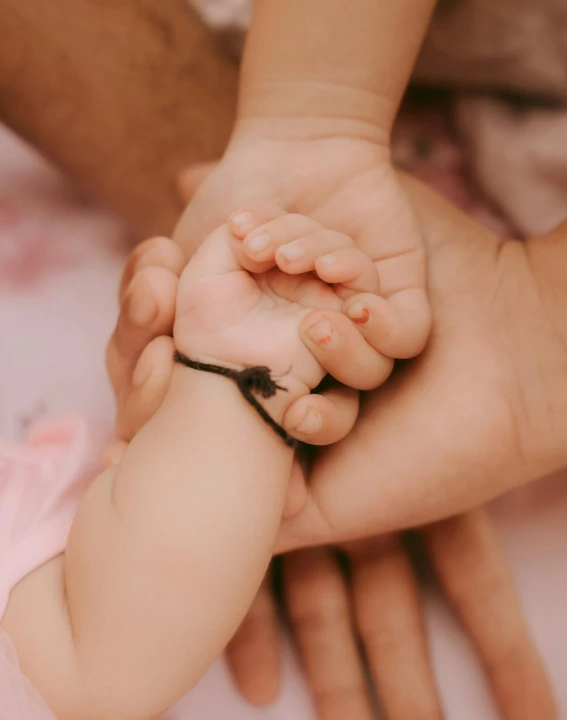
[(397, 327), (342, 351), (349, 270)]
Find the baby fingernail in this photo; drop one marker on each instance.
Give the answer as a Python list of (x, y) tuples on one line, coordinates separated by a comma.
[(321, 333), (310, 424), (358, 312), (260, 242), (243, 221), (328, 260), (142, 371), (143, 309), (291, 253)]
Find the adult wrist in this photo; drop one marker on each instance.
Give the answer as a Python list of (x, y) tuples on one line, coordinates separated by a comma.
[(547, 261), (547, 256)]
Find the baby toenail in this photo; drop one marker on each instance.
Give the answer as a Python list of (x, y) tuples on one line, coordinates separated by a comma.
[(359, 313), (243, 220), (310, 424), (291, 253), (322, 332), (260, 242)]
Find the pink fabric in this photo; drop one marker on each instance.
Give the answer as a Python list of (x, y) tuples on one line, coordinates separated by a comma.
[(41, 483), (18, 699), (60, 262)]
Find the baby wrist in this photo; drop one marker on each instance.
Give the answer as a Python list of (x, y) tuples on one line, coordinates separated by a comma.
[(269, 396), (311, 110)]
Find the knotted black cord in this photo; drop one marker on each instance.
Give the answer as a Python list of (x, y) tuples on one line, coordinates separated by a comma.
[(249, 381)]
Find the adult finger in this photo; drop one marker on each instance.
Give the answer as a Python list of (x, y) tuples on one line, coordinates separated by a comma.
[(253, 654), (318, 606), (156, 252), (140, 399), (473, 572), (325, 418), (390, 624), (147, 311)]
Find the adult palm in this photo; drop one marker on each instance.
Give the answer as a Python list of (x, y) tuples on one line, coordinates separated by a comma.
[(481, 411)]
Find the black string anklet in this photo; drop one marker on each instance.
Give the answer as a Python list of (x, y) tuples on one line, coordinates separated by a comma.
[(249, 381)]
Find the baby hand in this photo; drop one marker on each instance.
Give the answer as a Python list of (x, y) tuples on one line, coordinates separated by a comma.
[(140, 356), (356, 345), (244, 303)]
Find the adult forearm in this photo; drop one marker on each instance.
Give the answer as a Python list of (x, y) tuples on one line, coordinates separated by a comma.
[(121, 96), (348, 61)]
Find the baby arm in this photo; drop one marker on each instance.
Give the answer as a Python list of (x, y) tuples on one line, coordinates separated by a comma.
[(318, 59), (167, 553), (168, 550)]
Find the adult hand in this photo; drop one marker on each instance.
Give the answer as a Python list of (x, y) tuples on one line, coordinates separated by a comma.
[(482, 410), (376, 603)]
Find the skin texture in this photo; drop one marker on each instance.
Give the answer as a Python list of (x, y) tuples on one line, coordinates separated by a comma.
[(121, 96)]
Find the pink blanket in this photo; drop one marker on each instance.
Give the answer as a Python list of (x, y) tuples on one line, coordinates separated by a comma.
[(60, 261)]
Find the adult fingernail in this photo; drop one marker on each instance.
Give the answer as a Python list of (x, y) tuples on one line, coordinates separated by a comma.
[(243, 221), (291, 253), (358, 312), (260, 242), (311, 423), (321, 333), (142, 371), (143, 309)]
